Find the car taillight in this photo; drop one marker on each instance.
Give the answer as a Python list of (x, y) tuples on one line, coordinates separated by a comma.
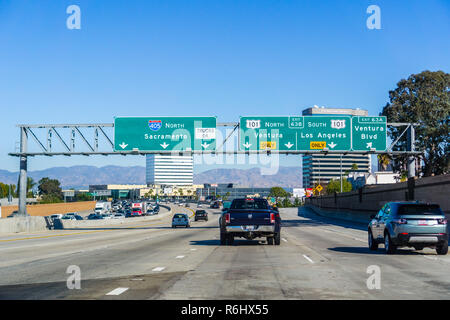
[(227, 218), (442, 221), (272, 218), (400, 221)]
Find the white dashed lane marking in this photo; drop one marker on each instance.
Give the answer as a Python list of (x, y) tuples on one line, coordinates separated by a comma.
[(117, 291), (308, 258), (158, 269), (179, 257)]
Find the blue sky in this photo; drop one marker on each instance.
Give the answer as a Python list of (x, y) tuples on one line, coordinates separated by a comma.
[(222, 58)]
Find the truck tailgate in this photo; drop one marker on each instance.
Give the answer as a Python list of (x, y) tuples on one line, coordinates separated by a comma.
[(249, 217)]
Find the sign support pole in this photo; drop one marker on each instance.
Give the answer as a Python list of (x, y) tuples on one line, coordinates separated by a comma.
[(23, 173), (411, 158), (341, 173)]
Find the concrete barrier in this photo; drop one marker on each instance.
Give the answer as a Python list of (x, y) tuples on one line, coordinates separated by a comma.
[(80, 224), (33, 224), (359, 205), (22, 224), (371, 198), (51, 208), (360, 217)]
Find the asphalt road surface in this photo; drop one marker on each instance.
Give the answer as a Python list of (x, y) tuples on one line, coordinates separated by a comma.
[(319, 258)]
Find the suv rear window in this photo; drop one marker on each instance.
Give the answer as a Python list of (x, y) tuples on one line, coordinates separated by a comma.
[(179, 216), (419, 209), (249, 204)]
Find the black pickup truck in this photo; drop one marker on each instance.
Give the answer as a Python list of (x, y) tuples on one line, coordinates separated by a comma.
[(250, 218)]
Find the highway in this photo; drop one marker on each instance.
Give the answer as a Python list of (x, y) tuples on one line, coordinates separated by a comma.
[(319, 258)]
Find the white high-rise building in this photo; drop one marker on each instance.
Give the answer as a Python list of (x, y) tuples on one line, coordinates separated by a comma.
[(170, 170)]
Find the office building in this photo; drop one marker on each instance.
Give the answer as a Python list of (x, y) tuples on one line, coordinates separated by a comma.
[(169, 170)]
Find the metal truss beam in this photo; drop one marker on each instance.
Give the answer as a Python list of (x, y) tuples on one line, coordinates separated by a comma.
[(70, 147)]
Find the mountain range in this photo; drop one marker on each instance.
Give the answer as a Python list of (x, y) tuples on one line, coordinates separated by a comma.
[(80, 177)]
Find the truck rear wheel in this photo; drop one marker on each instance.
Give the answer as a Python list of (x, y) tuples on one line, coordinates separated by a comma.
[(277, 239), (230, 239), (223, 239), (270, 241)]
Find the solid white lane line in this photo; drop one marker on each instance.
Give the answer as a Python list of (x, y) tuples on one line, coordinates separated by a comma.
[(308, 258), (193, 249), (117, 291), (179, 257), (157, 269)]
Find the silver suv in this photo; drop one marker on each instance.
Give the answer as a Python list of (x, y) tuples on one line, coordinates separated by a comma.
[(409, 224)]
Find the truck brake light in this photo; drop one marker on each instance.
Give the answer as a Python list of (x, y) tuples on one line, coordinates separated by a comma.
[(227, 218), (272, 218)]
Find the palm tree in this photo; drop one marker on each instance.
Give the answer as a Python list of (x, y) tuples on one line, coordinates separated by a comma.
[(384, 160)]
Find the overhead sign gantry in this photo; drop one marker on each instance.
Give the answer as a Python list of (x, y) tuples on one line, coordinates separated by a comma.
[(197, 135)]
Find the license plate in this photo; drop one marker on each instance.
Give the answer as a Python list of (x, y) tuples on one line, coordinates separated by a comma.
[(249, 228), (427, 222)]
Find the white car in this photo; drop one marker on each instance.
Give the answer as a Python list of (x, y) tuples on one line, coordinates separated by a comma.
[(199, 205), (118, 216), (107, 216), (56, 216)]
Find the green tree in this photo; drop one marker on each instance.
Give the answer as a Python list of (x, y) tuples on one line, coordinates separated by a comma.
[(286, 203), (50, 190), (384, 160), (30, 185), (335, 186), (278, 192), (423, 99), (3, 190), (83, 197), (50, 198)]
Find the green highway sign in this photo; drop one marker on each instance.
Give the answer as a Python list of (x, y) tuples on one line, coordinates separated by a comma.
[(369, 133), (295, 133), (164, 133)]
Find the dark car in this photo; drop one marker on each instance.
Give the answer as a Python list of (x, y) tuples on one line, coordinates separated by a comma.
[(215, 205), (409, 224), (94, 216), (13, 214), (201, 215), (131, 214), (250, 218)]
